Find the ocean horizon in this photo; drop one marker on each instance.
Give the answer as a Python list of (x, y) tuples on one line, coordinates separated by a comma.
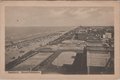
[(18, 33)]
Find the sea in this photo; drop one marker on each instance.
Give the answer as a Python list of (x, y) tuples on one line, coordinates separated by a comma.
[(19, 33)]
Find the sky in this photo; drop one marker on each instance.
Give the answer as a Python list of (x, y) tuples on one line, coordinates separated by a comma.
[(58, 16)]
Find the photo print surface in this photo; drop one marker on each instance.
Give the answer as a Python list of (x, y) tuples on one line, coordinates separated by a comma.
[(59, 40)]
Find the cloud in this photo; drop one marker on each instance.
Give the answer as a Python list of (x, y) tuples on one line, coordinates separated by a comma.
[(58, 12), (58, 16)]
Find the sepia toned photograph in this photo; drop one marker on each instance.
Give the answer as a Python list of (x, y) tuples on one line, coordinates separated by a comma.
[(59, 40)]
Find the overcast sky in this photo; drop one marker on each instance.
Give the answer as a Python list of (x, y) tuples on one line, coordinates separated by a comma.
[(58, 16)]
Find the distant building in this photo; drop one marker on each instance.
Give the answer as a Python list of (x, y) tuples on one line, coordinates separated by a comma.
[(103, 35), (108, 35)]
